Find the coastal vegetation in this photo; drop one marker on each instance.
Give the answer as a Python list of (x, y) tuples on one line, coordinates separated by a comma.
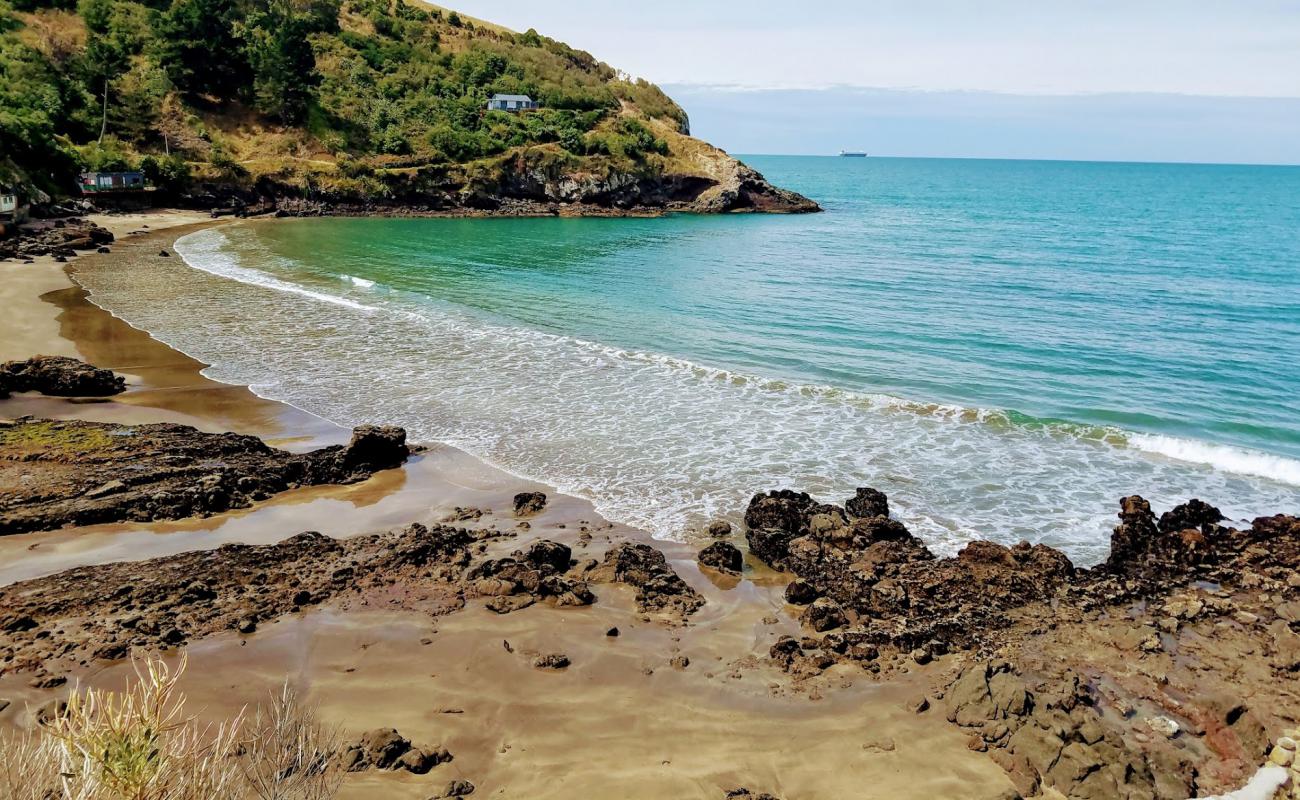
[(141, 744), (311, 93)]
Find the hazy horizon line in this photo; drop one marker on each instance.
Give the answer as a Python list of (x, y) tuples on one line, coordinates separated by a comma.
[(1134, 162), (741, 88)]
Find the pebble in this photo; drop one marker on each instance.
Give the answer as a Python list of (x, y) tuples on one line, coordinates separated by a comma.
[(1282, 757), (1164, 726), (1245, 618), (879, 744)]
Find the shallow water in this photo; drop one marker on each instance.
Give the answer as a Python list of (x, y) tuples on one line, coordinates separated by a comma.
[(1006, 348)]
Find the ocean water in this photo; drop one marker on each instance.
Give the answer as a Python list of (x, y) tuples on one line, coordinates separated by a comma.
[(1005, 348)]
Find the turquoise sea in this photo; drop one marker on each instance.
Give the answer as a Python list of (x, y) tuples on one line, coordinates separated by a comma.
[(1005, 347)]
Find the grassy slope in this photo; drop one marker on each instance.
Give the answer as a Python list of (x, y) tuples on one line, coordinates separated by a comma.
[(311, 151)]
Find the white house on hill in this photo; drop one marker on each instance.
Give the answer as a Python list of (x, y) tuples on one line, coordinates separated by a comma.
[(511, 102)]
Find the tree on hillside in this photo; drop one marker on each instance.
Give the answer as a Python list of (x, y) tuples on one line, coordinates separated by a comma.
[(283, 66), (197, 47)]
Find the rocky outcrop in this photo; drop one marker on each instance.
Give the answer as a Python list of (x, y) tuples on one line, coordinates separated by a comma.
[(1055, 736), (658, 588), (538, 181), (874, 568), (104, 611), (519, 580), (61, 238), (83, 473), (58, 376), (529, 503), (722, 556), (1185, 635), (385, 748)]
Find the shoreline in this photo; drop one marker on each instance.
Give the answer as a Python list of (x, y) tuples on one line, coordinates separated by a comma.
[(736, 694), (605, 694)]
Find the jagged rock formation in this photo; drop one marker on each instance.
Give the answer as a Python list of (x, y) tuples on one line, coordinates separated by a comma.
[(658, 588), (55, 473), (1183, 596)]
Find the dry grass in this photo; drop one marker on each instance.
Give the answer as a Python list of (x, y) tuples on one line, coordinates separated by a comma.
[(290, 755), (139, 744)]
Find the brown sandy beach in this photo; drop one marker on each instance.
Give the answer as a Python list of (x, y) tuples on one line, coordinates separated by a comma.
[(1002, 673), (620, 722)]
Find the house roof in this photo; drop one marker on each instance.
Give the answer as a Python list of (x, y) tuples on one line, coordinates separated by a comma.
[(518, 98)]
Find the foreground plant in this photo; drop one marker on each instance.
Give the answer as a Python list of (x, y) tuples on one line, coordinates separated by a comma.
[(139, 744), (290, 756)]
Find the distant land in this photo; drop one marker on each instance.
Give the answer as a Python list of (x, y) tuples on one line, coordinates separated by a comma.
[(1085, 127)]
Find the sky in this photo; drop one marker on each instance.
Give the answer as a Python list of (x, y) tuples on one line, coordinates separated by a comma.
[(1190, 80)]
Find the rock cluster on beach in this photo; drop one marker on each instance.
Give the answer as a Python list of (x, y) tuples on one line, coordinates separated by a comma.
[(385, 748), (658, 588), (1180, 600), (61, 238), (58, 376), (519, 580), (55, 473)]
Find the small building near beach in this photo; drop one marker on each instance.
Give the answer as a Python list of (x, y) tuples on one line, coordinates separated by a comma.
[(511, 102), (97, 182), (14, 209)]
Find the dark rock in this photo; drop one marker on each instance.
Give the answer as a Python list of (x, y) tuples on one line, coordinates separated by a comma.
[(659, 588), (1192, 514), (800, 593), (722, 556), (107, 609), (374, 448), (612, 632), (58, 376), (867, 503), (17, 623), (781, 510), (527, 503), (385, 748), (457, 788), (719, 529), (551, 661), (546, 553), (164, 254), (769, 545), (823, 615)]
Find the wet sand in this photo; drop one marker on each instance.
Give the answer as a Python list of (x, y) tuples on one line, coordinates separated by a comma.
[(619, 723)]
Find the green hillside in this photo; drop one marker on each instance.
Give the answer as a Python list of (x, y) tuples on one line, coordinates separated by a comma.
[(332, 93)]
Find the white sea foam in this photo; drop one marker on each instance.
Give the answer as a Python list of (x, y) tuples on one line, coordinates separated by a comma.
[(1224, 457), (361, 282), (655, 441), (205, 253)]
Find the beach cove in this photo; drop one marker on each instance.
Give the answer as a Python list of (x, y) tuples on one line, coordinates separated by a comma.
[(723, 672)]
